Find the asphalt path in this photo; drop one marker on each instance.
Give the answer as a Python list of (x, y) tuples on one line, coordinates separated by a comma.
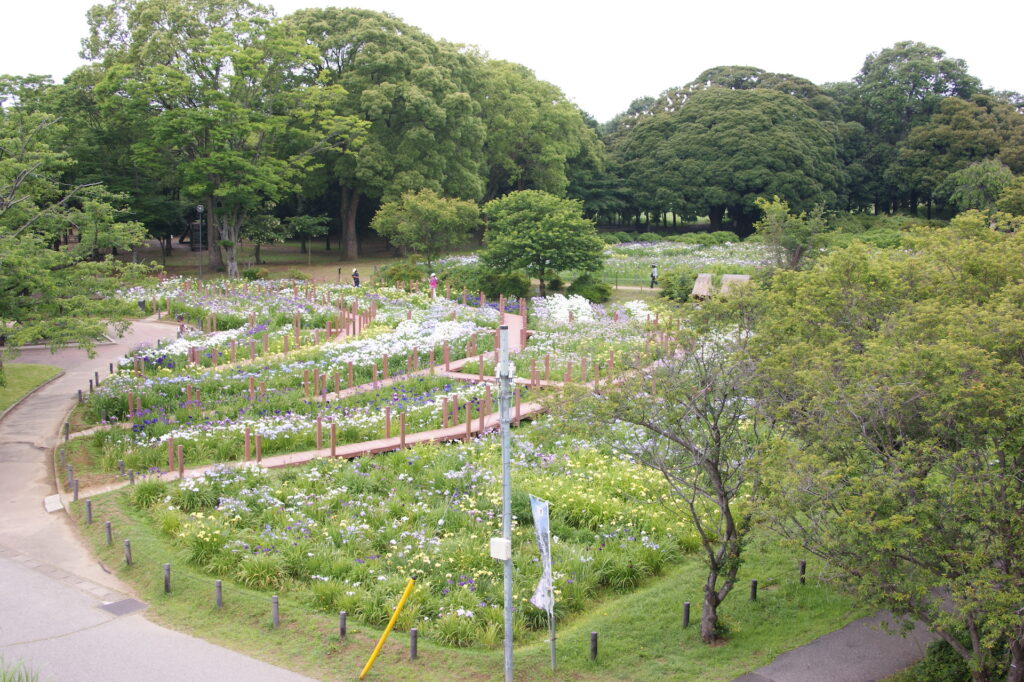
[(54, 596)]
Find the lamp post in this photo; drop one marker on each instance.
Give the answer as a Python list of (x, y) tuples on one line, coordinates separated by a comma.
[(199, 209)]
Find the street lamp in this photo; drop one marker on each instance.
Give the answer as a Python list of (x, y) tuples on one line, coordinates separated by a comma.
[(199, 209)]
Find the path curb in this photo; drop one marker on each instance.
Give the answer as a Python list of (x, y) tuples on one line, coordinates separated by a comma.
[(25, 397)]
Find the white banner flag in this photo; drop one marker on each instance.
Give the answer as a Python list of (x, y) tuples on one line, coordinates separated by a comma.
[(544, 596)]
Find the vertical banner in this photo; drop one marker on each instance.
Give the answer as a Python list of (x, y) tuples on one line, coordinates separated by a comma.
[(544, 596)]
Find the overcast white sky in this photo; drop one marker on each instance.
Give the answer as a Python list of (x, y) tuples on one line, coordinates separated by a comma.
[(604, 55)]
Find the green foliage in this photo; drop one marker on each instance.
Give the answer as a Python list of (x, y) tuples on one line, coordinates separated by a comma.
[(790, 236), (977, 186), (541, 234), (148, 492), (590, 288), (403, 272), (508, 284), (295, 273), (897, 372), (427, 224), (705, 238), (677, 285), (1011, 199), (261, 571), (16, 672), (555, 285), (253, 274)]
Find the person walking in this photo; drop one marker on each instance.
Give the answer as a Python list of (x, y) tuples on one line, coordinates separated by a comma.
[(355, 277), (654, 275), (433, 285)]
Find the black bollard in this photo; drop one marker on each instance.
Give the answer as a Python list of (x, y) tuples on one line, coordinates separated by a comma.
[(110, 535), (167, 578), (413, 636), (120, 466), (67, 431), (111, 368), (63, 458), (79, 396), (803, 571), (71, 476), (275, 612), (128, 552), (218, 588), (593, 646), (88, 512), (686, 614), (753, 590), (90, 386), (75, 493), (131, 477), (97, 375), (342, 624)]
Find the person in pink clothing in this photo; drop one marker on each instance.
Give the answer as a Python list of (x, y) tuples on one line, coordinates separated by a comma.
[(433, 285)]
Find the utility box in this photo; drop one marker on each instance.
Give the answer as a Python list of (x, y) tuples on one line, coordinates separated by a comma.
[(501, 549)]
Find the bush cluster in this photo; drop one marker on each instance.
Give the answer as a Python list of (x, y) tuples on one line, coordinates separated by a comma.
[(590, 288)]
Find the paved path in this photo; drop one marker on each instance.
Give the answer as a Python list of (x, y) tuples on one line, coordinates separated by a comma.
[(860, 652), (53, 589)]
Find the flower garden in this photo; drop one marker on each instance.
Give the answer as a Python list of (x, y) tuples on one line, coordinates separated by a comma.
[(283, 363)]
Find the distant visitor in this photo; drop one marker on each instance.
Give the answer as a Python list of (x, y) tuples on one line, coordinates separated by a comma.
[(355, 277)]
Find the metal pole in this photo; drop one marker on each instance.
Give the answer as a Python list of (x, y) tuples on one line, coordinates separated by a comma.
[(505, 399)]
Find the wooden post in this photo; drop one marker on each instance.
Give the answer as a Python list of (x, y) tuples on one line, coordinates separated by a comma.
[(401, 430), (533, 372), (446, 357), (469, 420), (181, 462), (334, 439), (247, 450), (430, 360), (252, 388), (387, 421), (170, 454), (387, 370), (337, 384), (259, 448)]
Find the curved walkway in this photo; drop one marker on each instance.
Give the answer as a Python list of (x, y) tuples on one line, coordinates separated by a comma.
[(53, 589)]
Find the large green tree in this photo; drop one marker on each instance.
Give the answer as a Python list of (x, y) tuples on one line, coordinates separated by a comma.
[(425, 129), (723, 148), (897, 375), (56, 237), (540, 233), (427, 224), (215, 85)]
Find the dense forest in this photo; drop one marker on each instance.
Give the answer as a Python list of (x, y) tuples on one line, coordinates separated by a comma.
[(263, 120)]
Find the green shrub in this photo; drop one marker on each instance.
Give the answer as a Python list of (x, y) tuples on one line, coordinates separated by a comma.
[(555, 285), (590, 288), (610, 238), (677, 285), (401, 272), (295, 273), (653, 237), (509, 284), (940, 664), (625, 236), (255, 273)]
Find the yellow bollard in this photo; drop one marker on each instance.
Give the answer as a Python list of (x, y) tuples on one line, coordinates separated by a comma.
[(387, 630)]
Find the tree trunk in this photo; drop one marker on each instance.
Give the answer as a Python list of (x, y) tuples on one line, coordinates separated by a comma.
[(709, 612), (543, 286), (716, 213), (1016, 671), (256, 253), (349, 238), (212, 236)]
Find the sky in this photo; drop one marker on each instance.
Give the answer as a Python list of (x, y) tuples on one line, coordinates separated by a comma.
[(603, 54)]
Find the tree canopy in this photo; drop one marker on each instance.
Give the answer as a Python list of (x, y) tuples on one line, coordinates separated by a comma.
[(426, 224), (540, 233)]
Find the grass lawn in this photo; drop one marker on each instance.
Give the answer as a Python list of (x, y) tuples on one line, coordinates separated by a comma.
[(641, 634), (22, 378)]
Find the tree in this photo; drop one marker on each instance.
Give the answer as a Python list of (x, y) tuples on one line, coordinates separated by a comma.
[(689, 417), (425, 223), (215, 84), (424, 128), (307, 228), (790, 236), (50, 293), (978, 186), (1011, 199), (541, 234), (896, 375), (724, 148)]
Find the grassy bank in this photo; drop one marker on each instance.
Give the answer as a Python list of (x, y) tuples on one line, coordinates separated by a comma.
[(21, 379), (641, 635)]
